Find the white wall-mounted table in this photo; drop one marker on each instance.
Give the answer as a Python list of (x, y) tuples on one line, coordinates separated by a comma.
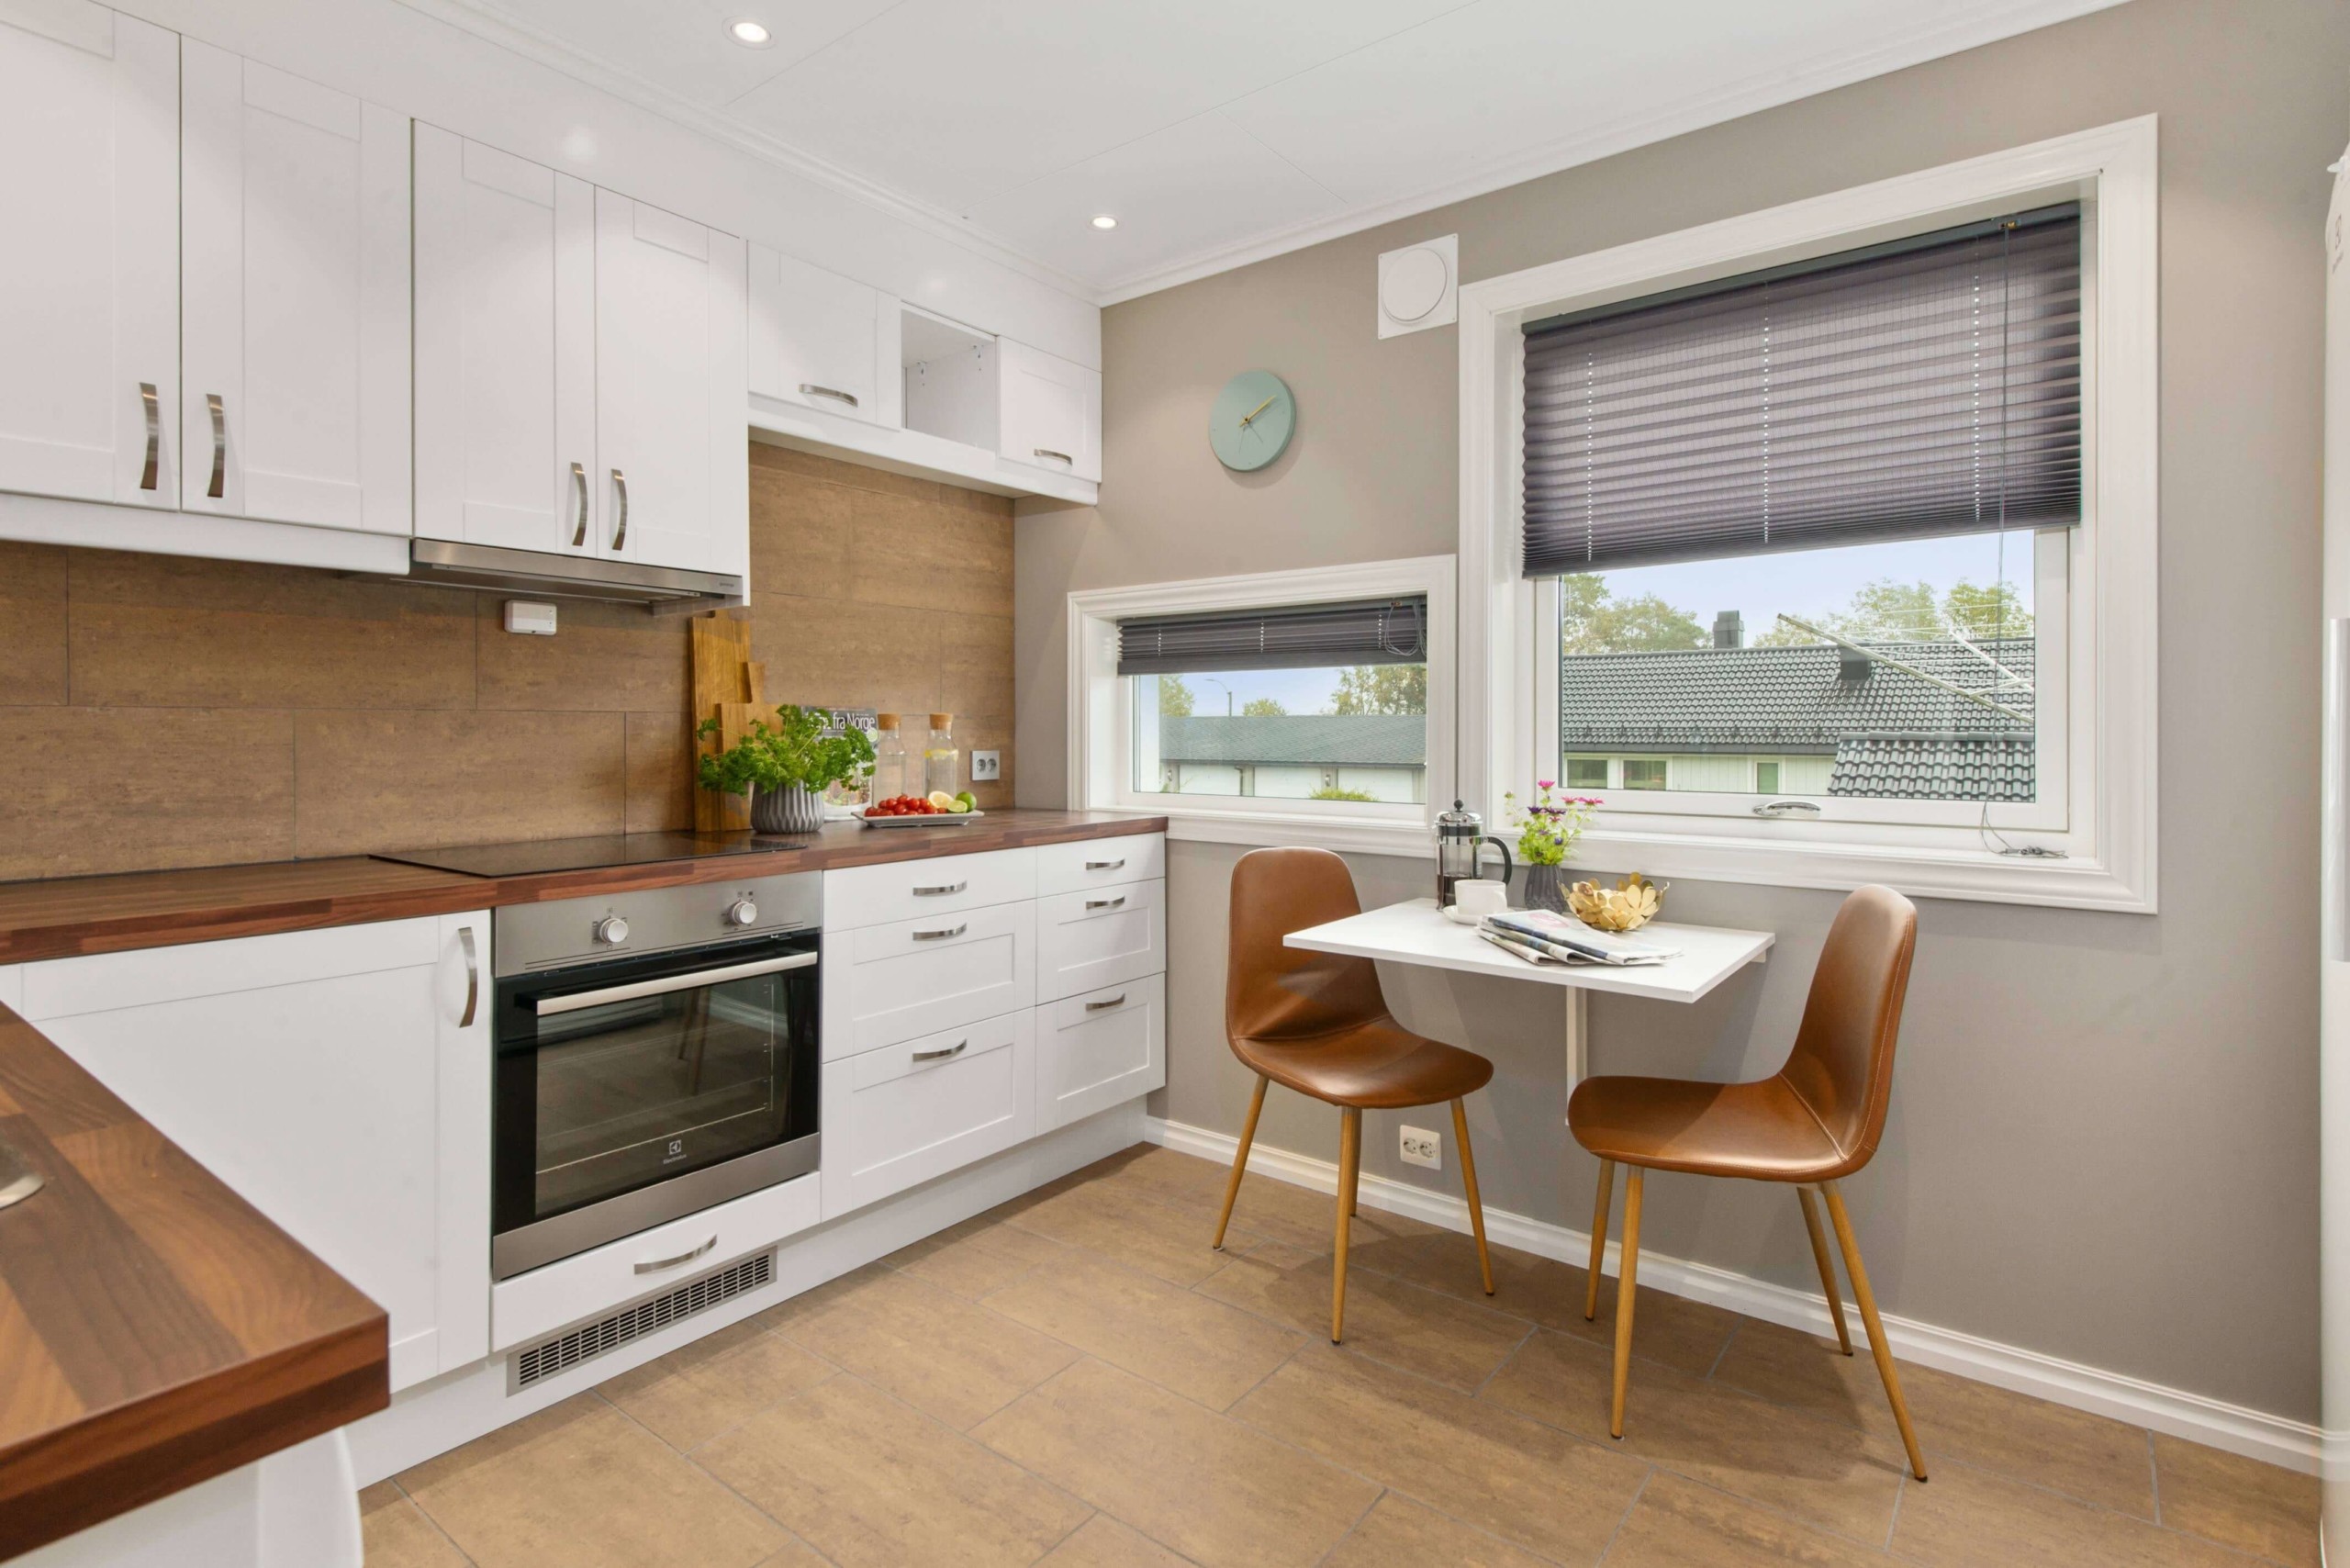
[(1416, 933)]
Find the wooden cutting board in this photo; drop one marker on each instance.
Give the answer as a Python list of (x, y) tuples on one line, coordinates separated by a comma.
[(722, 658)]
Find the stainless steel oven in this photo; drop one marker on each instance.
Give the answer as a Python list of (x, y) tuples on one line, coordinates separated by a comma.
[(656, 1053)]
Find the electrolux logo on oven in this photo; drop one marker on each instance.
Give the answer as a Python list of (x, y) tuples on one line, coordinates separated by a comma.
[(677, 1150)]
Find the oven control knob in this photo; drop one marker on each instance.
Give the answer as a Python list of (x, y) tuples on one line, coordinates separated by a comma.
[(743, 912), (611, 931)]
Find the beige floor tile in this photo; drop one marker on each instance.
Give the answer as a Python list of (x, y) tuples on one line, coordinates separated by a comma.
[(1969, 1518), (1679, 1332), (395, 1533), (972, 1259), (1515, 1477), (1826, 1472), (1304, 1217), (872, 1482), (932, 1349), (1166, 1173), (1200, 1348), (1221, 1494), (1404, 1324), (799, 1554), (823, 1298), (1679, 1524), (1400, 1533), (580, 1486), (691, 1394), (1103, 1543), (1121, 1223), (2262, 1508), (2090, 1457)]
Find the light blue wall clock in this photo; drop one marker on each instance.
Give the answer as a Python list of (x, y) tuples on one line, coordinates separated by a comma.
[(1252, 420)]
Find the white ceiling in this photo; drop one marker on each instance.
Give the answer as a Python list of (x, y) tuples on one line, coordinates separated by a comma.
[(1220, 131)]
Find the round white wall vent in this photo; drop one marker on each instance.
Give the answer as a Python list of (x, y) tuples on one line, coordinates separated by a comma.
[(1418, 287)]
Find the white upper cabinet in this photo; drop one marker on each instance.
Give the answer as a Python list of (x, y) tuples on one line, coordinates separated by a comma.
[(1051, 411), (504, 350), (823, 341), (89, 255), (673, 476), (293, 209)]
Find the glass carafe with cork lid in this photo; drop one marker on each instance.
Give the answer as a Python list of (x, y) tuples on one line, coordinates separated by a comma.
[(942, 763)]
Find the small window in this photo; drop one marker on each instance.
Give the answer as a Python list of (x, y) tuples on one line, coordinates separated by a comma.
[(1586, 773), (1644, 773), (1766, 777)]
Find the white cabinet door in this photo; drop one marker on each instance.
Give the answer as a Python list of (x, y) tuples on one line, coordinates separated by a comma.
[(896, 1117), (823, 341), (670, 386), (887, 983), (1051, 411), (1100, 1048), (1100, 936), (505, 350), (89, 255), (338, 1079), (295, 374)]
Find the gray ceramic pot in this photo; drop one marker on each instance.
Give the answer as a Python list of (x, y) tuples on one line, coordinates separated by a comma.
[(795, 809), (1546, 888)]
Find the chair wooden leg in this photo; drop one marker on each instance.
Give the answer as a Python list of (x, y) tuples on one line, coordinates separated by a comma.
[(1476, 1203), (1240, 1160), (1876, 1326), (1826, 1269), (1349, 1169), (1626, 1276), (1598, 1239)]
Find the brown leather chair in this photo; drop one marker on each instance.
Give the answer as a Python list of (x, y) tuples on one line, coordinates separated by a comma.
[(1816, 1122), (1318, 1023)]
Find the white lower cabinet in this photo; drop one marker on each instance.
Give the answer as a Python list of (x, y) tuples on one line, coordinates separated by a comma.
[(338, 1079), (1098, 936), (898, 1116), (1100, 1048), (888, 983)]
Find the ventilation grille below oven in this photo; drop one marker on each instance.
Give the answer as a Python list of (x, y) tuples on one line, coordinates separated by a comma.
[(560, 1352)]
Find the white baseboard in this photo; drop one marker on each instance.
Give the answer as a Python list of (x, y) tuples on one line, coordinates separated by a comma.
[(2252, 1433)]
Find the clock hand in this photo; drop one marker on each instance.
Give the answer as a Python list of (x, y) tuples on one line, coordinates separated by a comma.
[(1250, 416)]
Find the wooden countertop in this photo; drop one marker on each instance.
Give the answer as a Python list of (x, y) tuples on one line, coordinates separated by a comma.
[(154, 909), (155, 1330)]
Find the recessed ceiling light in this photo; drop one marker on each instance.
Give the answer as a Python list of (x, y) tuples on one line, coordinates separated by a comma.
[(1103, 220), (749, 34)]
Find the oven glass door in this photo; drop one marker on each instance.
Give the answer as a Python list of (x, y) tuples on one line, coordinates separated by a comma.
[(616, 1078)]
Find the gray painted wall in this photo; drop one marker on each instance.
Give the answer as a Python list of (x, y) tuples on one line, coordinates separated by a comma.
[(2104, 1135)]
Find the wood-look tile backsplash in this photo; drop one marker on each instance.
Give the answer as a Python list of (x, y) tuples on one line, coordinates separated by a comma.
[(158, 711)]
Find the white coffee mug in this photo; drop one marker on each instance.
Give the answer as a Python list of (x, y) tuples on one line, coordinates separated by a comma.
[(1481, 898)]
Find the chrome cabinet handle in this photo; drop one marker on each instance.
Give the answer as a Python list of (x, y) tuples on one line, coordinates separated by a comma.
[(954, 1050), (473, 976), (219, 444), (657, 1264), (1048, 452), (809, 389), (620, 535), (942, 888), (154, 435), (1105, 903), (941, 935), (1775, 809), (1105, 864), (1104, 1006), (580, 478)]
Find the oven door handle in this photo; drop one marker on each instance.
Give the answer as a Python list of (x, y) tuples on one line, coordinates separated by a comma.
[(546, 1006)]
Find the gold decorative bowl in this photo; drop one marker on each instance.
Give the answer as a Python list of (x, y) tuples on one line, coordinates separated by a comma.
[(1627, 906)]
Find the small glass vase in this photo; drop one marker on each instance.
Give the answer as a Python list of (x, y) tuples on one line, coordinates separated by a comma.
[(1546, 888), (794, 809)]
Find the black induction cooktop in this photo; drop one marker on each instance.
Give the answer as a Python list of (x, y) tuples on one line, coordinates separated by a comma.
[(537, 857)]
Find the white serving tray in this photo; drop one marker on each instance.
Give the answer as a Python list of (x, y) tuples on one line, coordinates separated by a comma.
[(929, 820)]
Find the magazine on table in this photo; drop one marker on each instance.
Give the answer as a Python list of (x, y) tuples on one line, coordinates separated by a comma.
[(1540, 935)]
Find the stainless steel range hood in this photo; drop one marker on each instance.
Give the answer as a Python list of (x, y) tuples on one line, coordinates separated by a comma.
[(661, 589)]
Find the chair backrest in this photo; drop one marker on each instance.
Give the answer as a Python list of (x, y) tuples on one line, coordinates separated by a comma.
[(1271, 992), (1842, 1061)]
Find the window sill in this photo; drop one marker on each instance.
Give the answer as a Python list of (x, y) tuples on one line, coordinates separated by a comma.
[(1270, 830)]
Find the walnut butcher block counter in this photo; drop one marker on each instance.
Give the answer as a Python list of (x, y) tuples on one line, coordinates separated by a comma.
[(155, 1330), (155, 909)]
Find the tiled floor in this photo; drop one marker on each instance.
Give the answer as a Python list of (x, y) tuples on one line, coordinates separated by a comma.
[(1076, 1381)]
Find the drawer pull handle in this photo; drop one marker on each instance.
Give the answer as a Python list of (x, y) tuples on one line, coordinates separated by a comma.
[(809, 389), (954, 1050), (154, 435), (219, 444), (942, 888), (942, 936), (1092, 905), (620, 535), (1048, 452), (579, 482), (1106, 1004), (1105, 864), (658, 1264), (473, 976)]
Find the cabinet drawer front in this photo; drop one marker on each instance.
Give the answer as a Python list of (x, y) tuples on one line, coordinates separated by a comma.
[(1101, 936), (888, 983), (896, 1117), (1099, 862), (98, 983), (902, 889), (1100, 1048), (594, 1282)]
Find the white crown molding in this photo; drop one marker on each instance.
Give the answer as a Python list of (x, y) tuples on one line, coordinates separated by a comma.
[(516, 37), (2275, 1440)]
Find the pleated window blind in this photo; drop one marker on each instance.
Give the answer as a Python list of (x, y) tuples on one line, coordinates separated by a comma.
[(1928, 387), (1302, 636)]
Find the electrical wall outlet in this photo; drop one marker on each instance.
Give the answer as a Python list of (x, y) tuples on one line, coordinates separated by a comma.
[(1422, 1147), (987, 767)]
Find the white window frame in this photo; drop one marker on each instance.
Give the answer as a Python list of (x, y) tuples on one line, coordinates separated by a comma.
[(2100, 850), (1101, 775)]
